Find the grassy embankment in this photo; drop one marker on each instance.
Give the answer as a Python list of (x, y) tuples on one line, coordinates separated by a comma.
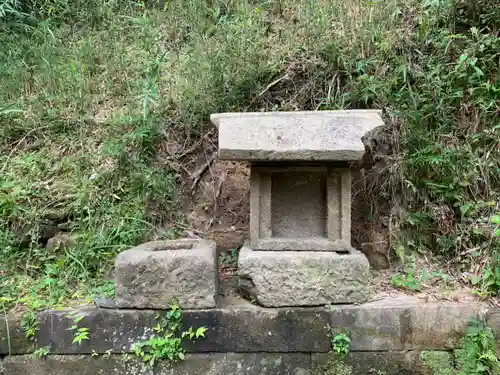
[(92, 93)]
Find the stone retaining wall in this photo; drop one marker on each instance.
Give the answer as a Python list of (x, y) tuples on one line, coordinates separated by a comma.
[(243, 339)]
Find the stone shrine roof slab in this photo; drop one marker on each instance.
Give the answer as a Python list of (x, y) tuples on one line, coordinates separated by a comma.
[(295, 136)]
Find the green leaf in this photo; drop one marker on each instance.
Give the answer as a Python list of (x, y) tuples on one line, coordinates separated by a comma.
[(495, 219), (474, 280), (400, 252), (465, 208), (200, 332), (5, 111), (479, 72)]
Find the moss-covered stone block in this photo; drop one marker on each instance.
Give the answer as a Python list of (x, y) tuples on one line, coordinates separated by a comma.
[(435, 363)]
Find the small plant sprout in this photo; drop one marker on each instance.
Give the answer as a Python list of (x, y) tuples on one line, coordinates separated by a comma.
[(29, 325), (190, 334), (406, 280), (80, 334), (229, 260), (42, 352), (166, 344), (340, 344)]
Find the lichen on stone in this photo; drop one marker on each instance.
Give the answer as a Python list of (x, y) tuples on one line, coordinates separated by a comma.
[(334, 366)]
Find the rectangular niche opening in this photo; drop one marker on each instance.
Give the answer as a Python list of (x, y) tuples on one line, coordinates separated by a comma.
[(298, 204)]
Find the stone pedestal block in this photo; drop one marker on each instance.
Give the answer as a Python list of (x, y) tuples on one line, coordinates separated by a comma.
[(305, 278), (152, 275)]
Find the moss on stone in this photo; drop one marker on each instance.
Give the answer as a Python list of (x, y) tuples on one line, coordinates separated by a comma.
[(439, 362), (334, 366)]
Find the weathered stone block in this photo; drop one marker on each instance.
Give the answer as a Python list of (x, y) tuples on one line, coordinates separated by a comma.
[(238, 329), (195, 364), (300, 208), (12, 337), (432, 362), (109, 330), (309, 136), (361, 363), (375, 326), (240, 364), (392, 324), (493, 321), (152, 275), (440, 325), (71, 365), (390, 363), (305, 278)]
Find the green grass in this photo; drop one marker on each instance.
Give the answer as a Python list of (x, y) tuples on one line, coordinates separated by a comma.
[(93, 93), (83, 149)]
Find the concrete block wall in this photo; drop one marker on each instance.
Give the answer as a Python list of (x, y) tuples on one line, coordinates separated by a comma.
[(244, 339)]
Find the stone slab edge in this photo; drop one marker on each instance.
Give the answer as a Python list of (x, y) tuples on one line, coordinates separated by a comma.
[(234, 129), (378, 326), (195, 364), (362, 363)]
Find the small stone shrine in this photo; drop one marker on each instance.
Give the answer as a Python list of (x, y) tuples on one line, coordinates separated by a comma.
[(299, 252)]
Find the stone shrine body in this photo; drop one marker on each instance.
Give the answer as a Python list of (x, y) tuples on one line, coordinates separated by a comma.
[(299, 252)]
